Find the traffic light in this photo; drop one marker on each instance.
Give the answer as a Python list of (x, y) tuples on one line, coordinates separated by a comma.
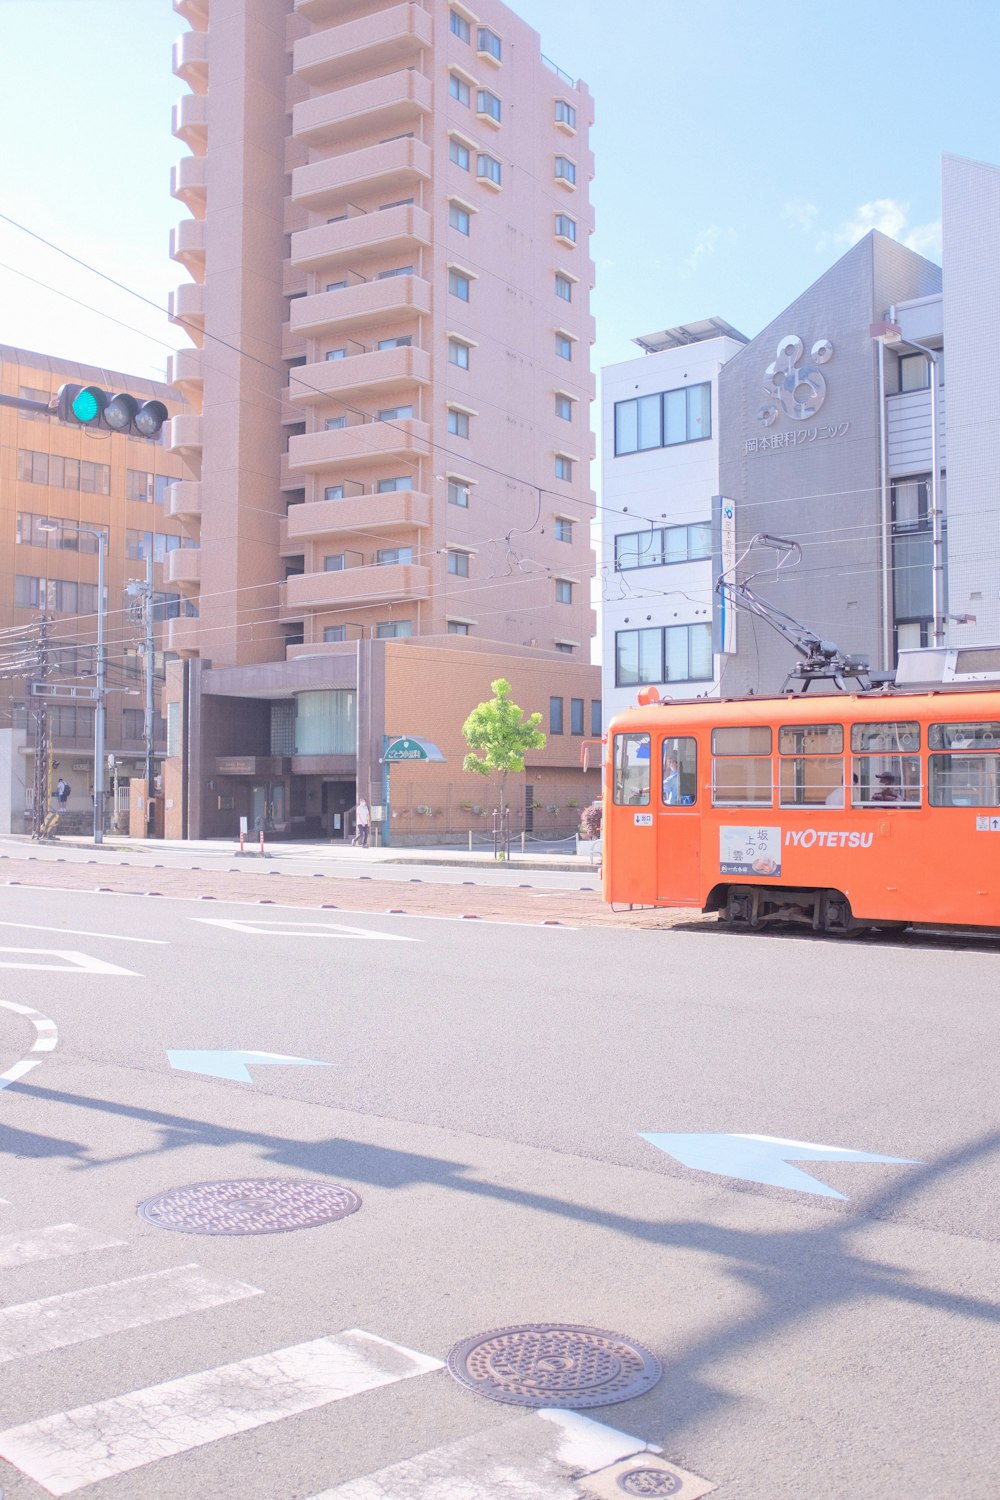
[(89, 406)]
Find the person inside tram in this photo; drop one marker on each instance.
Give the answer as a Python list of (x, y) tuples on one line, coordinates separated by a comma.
[(888, 787), (671, 783)]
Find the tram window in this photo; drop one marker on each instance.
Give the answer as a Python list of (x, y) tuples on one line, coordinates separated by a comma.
[(964, 780), (982, 736), (680, 771), (811, 739), (631, 770), (811, 780), (881, 780), (752, 739), (897, 735)]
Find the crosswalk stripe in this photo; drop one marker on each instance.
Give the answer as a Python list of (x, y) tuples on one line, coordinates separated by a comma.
[(530, 1458), (74, 1317), (71, 1449), (50, 1244)]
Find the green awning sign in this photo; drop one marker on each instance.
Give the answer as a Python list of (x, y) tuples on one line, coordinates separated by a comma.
[(412, 748)]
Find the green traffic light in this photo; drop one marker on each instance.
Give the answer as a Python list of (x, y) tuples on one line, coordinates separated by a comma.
[(86, 406)]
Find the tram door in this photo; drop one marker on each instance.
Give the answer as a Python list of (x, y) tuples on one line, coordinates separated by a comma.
[(678, 824)]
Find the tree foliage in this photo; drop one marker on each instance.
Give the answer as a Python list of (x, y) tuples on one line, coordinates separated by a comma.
[(499, 735)]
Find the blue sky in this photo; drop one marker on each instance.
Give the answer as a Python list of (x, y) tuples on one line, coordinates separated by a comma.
[(740, 150)]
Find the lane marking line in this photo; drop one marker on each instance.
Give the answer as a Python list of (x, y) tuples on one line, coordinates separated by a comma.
[(51, 1243), (71, 1449), (113, 937), (46, 1040), (75, 962)]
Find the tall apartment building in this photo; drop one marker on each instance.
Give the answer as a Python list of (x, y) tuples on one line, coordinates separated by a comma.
[(61, 489), (388, 452), (823, 432)]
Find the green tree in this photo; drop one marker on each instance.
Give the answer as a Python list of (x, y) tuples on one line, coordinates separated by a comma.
[(498, 736)]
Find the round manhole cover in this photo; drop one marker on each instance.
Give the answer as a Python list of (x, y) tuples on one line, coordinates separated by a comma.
[(650, 1482), (554, 1364), (250, 1205)]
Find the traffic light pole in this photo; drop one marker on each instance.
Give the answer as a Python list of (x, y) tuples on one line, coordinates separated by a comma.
[(150, 722)]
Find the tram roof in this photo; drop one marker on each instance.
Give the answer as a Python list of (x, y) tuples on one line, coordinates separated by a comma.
[(816, 708)]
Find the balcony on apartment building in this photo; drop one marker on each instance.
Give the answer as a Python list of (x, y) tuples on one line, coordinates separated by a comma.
[(184, 436), (191, 60), (360, 442), (359, 304), (358, 372), (183, 569), (393, 102), (187, 247), (387, 39), (189, 122), (186, 306), (908, 431), (184, 500), (181, 636), (402, 229), (184, 370), (391, 166), (355, 586), (189, 184), (194, 12), (410, 509)]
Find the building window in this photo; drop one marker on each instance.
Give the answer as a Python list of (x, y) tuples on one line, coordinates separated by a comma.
[(676, 653), (914, 372), (460, 27), (912, 560), (333, 492), (565, 228), (565, 114), (66, 473), (334, 563), (459, 218), (564, 346), (458, 285), (401, 341), (576, 716), (566, 647), (458, 422), (459, 153), (555, 716), (390, 486), (662, 545), (663, 419), (336, 354), (458, 627), (564, 529), (488, 104), (565, 170), (564, 287), (459, 89), (391, 557), (334, 286), (334, 424), (395, 414), (394, 271), (564, 591), (596, 719), (334, 633), (564, 406), (488, 168), (458, 354), (487, 41), (393, 629), (458, 564), (564, 467), (458, 493)]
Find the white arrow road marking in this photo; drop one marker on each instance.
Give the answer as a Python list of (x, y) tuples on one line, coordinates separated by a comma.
[(277, 928), (75, 1448), (112, 937), (46, 1037), (74, 962)]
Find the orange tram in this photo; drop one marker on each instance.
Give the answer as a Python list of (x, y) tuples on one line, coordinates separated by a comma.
[(841, 811)]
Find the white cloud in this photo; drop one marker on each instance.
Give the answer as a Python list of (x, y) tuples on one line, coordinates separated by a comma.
[(800, 214), (891, 217), (705, 247)]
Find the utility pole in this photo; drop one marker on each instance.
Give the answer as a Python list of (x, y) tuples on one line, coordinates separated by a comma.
[(149, 721), (43, 738)]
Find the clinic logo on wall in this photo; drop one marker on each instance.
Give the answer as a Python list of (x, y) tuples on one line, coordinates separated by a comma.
[(795, 385)]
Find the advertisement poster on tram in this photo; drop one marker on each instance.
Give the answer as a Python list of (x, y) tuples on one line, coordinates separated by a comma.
[(749, 851)]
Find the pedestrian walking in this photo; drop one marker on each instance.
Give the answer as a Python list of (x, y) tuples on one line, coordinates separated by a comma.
[(362, 823)]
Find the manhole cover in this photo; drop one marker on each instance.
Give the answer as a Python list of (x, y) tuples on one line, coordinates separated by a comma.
[(650, 1482), (250, 1205), (554, 1364)]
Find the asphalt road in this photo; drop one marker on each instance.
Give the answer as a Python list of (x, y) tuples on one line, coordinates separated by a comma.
[(487, 1092)]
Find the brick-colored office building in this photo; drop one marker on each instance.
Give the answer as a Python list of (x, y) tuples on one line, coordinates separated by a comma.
[(388, 443), (56, 475)]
